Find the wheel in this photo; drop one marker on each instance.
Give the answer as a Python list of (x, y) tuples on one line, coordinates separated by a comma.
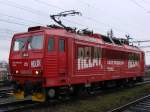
[(52, 93), (90, 90), (75, 91)]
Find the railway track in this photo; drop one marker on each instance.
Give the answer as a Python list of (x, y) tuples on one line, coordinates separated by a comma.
[(5, 92), (27, 104), (17, 105), (139, 105), (5, 83)]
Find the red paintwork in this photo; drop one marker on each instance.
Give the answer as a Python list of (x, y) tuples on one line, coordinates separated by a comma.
[(60, 68)]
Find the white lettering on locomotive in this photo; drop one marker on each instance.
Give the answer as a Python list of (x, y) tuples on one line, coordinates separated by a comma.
[(110, 69), (115, 62), (88, 57), (35, 63), (132, 63), (88, 63)]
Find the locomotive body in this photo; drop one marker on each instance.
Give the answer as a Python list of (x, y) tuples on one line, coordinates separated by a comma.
[(45, 60)]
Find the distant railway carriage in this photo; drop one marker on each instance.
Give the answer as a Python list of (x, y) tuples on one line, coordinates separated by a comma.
[(43, 60)]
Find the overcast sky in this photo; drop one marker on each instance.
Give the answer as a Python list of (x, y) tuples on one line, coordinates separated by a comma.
[(123, 16)]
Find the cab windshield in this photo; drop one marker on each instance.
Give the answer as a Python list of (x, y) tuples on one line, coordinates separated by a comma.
[(28, 43)]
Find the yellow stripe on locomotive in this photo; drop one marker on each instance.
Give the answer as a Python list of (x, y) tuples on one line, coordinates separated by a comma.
[(19, 94), (40, 97)]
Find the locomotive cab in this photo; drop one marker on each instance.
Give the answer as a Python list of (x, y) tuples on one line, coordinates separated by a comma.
[(36, 60), (26, 62)]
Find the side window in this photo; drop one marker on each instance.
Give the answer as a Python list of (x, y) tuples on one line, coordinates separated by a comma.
[(51, 44), (62, 45)]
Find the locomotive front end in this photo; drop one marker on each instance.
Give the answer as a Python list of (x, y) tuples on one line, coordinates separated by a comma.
[(26, 65)]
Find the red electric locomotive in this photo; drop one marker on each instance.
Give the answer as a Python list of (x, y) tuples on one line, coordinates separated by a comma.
[(46, 61)]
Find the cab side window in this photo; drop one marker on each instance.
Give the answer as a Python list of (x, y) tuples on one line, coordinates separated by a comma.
[(62, 45), (51, 43)]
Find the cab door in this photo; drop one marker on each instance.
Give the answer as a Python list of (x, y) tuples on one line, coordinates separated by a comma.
[(50, 58), (62, 56)]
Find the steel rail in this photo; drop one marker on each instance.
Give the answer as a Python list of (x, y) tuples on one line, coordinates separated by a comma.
[(6, 92), (133, 104), (27, 104), (17, 105)]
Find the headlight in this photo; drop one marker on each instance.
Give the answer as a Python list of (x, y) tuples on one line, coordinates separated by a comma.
[(16, 71), (37, 72)]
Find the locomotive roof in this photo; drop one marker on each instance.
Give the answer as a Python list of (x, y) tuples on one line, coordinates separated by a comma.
[(106, 41)]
